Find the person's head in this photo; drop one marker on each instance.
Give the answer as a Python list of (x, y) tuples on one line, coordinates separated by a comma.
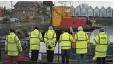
[(80, 28), (101, 30), (36, 28), (93, 18), (65, 30), (50, 28), (12, 30)]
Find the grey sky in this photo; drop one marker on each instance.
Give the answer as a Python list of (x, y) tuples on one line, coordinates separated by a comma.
[(74, 3)]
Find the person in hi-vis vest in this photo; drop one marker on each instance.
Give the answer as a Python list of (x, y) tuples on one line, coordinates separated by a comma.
[(65, 43), (35, 38), (101, 42), (81, 39), (50, 40), (12, 47)]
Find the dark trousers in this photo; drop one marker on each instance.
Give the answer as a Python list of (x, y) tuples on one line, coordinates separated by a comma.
[(50, 55), (81, 58), (34, 55), (100, 60), (65, 55)]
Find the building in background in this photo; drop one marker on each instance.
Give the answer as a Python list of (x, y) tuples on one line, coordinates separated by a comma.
[(109, 12), (90, 11), (102, 12), (2, 11), (96, 12), (77, 11), (25, 8), (86, 10)]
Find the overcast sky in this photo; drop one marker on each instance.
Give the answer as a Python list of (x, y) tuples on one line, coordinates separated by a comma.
[(7, 4)]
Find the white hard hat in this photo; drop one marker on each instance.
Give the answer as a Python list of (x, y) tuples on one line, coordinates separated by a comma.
[(80, 28), (50, 27)]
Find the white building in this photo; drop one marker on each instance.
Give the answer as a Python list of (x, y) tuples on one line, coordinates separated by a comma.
[(109, 12), (84, 8), (96, 12), (102, 12), (77, 11), (90, 11)]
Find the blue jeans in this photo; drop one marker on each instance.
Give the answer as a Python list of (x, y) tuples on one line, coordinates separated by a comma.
[(81, 59), (65, 55)]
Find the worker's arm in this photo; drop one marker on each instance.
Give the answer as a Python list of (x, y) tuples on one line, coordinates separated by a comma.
[(71, 38), (29, 35), (54, 38), (18, 44), (108, 40), (45, 38), (60, 38), (87, 37), (88, 41), (6, 44), (40, 36), (75, 37), (95, 41)]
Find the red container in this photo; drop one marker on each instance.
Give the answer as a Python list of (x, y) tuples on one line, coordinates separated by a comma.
[(73, 22)]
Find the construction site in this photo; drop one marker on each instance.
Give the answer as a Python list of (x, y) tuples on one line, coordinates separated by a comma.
[(24, 15)]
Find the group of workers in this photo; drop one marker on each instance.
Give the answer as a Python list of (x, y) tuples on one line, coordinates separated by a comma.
[(101, 41)]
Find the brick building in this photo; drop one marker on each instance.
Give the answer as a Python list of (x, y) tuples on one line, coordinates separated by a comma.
[(2, 11), (25, 8)]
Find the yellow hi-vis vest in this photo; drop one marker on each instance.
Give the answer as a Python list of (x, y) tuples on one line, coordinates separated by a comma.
[(50, 39), (12, 45), (65, 40), (81, 42), (35, 38), (101, 41)]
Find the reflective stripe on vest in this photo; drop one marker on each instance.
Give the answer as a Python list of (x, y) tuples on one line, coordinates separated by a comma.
[(35, 37), (65, 40), (15, 42), (11, 43), (81, 40), (12, 50), (65, 46), (36, 44), (99, 43), (50, 38), (81, 48), (100, 51)]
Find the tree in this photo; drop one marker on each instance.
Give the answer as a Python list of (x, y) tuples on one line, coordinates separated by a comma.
[(6, 19), (50, 4), (25, 18)]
